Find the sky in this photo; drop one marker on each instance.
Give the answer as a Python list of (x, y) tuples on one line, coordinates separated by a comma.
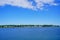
[(29, 12)]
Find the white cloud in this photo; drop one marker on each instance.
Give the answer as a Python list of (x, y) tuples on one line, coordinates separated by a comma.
[(26, 4), (18, 3), (41, 3)]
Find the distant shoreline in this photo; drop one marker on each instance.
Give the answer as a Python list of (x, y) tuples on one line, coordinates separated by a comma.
[(12, 26)]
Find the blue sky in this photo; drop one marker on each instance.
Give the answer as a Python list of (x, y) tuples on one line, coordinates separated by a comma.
[(47, 13)]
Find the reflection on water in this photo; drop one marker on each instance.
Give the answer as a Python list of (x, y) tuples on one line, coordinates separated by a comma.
[(30, 33)]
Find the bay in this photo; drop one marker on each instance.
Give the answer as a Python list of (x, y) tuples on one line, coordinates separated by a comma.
[(42, 33)]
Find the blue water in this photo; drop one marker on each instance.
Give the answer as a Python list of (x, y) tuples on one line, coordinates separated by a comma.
[(30, 33)]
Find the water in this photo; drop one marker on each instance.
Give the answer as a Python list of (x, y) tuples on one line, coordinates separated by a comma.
[(30, 33)]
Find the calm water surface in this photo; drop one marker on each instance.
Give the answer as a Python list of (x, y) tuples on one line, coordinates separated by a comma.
[(30, 33)]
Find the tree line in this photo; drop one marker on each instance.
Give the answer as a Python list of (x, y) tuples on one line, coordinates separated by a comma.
[(11, 26)]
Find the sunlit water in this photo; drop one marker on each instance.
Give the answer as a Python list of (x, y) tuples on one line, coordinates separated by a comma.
[(30, 33)]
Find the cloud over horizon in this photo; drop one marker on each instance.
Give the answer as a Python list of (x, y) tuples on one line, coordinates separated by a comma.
[(28, 4)]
